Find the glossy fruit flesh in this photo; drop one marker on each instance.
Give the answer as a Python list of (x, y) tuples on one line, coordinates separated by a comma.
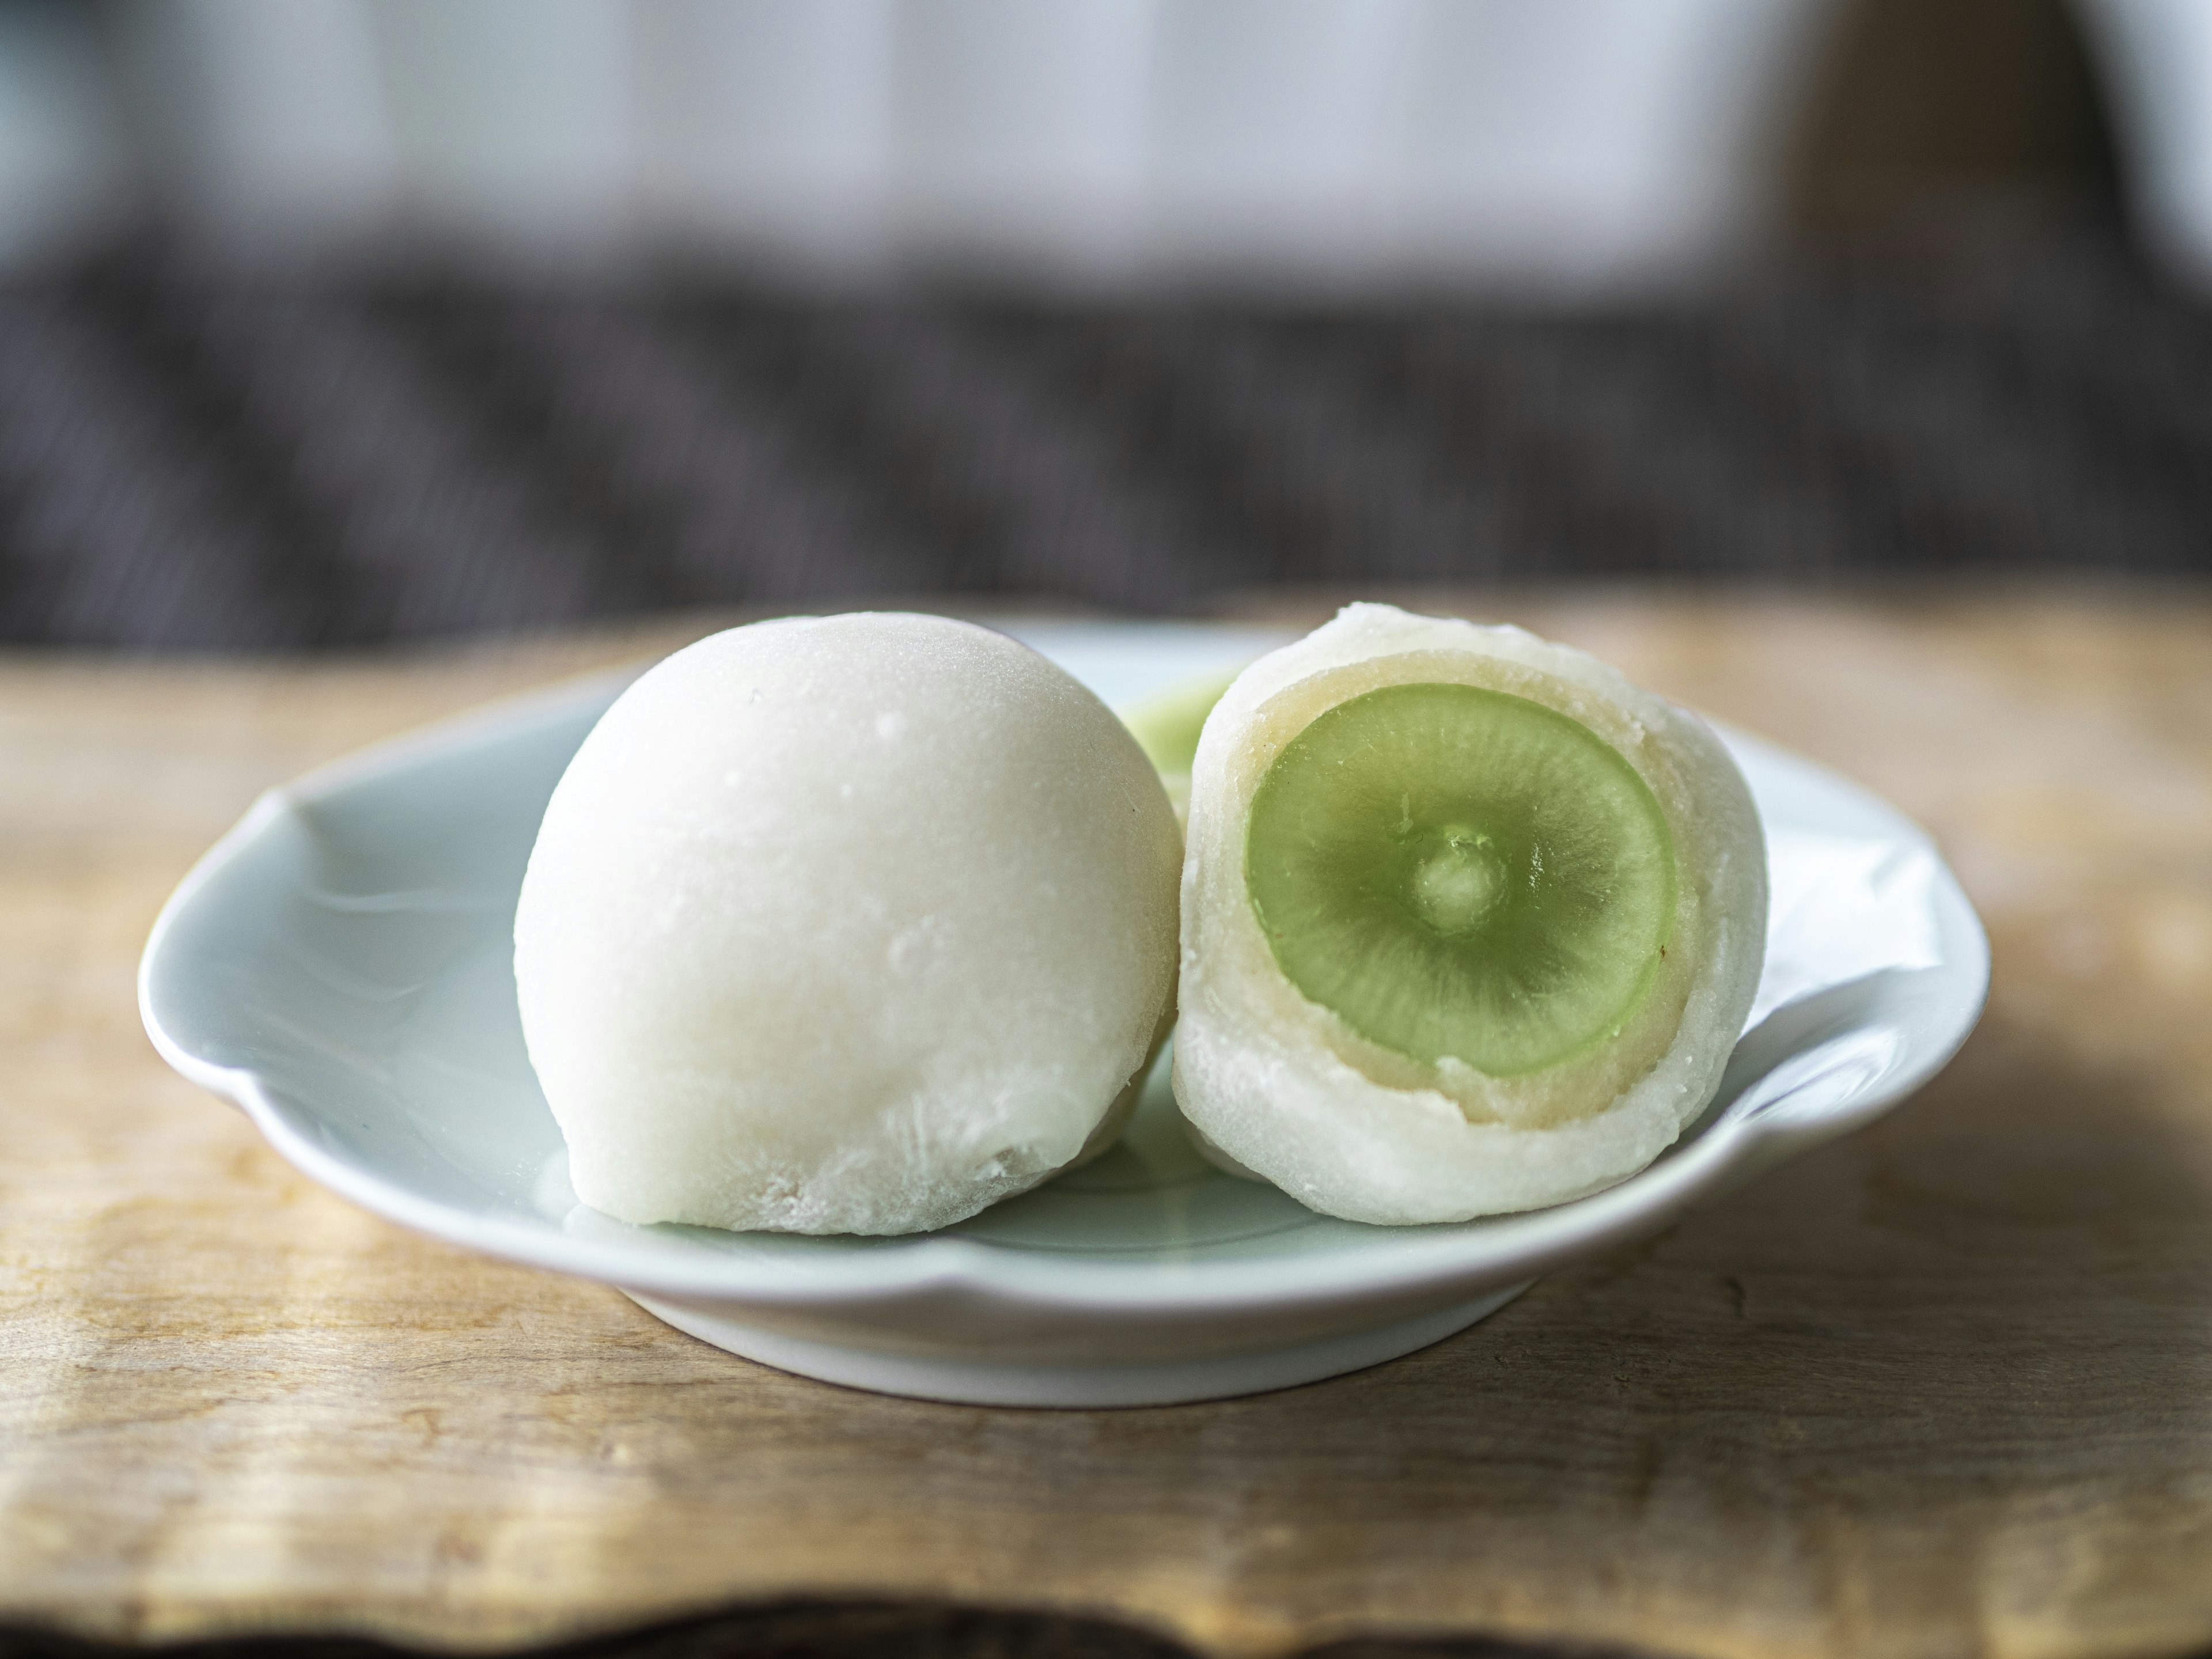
[(1463, 873)]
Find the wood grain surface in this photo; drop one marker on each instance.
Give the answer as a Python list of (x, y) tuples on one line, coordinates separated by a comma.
[(1944, 1389)]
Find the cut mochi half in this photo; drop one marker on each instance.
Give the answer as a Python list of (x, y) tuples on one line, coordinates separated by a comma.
[(1470, 923)]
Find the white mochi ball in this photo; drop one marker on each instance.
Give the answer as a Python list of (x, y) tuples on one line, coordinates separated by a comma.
[(845, 925)]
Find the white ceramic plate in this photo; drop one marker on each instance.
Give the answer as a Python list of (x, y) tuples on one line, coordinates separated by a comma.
[(339, 966)]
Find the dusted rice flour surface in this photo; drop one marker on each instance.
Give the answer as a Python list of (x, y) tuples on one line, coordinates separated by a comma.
[(1280, 1086), (851, 924)]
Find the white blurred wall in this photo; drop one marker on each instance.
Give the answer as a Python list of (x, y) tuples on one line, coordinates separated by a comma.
[(1589, 145), (66, 170)]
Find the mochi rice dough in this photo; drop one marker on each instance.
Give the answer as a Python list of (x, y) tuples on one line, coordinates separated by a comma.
[(853, 924), (1470, 923)]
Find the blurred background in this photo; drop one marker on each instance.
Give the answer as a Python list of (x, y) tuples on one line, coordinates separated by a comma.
[(332, 322)]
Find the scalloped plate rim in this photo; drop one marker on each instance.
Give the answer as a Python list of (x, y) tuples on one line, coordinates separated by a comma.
[(1415, 1260)]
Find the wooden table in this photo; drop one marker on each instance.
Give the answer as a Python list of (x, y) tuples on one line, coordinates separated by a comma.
[(1944, 1389)]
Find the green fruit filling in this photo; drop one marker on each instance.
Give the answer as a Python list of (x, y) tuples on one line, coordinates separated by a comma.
[(1462, 872), (1167, 724)]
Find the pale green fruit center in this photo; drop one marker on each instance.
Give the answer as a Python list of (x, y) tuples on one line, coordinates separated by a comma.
[(1463, 873)]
